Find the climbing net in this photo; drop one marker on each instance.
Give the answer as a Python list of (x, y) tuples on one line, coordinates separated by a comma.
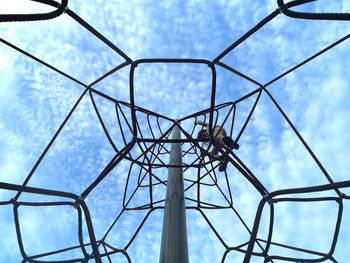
[(147, 149)]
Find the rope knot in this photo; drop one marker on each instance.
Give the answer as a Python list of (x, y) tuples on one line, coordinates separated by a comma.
[(282, 8)]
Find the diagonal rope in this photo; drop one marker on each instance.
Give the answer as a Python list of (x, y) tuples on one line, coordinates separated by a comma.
[(157, 148)]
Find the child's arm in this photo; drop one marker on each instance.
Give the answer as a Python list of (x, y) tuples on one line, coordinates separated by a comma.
[(206, 125)]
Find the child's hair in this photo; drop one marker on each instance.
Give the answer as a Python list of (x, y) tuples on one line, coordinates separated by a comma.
[(202, 134), (220, 129)]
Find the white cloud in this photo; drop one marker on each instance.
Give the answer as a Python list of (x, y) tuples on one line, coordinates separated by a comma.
[(36, 101)]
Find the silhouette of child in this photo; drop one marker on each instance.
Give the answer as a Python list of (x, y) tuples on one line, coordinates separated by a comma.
[(220, 135)]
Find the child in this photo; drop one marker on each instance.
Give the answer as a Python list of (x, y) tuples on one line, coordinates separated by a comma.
[(220, 135)]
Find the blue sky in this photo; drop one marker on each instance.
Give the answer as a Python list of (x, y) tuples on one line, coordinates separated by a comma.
[(34, 101)]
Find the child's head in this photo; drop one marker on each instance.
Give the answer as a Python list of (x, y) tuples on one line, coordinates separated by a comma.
[(202, 134)]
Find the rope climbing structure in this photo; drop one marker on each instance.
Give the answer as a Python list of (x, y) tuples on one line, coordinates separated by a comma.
[(147, 150)]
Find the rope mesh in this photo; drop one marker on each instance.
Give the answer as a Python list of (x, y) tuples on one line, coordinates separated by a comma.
[(147, 149)]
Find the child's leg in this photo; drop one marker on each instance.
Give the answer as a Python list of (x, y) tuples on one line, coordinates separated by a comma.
[(223, 165), (230, 143)]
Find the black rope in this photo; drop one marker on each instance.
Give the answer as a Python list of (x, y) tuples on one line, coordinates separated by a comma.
[(155, 148), (98, 35), (312, 16), (61, 7)]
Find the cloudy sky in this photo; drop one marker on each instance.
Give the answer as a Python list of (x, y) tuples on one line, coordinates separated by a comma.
[(34, 101)]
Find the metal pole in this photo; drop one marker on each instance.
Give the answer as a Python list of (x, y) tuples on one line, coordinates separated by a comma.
[(174, 236)]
